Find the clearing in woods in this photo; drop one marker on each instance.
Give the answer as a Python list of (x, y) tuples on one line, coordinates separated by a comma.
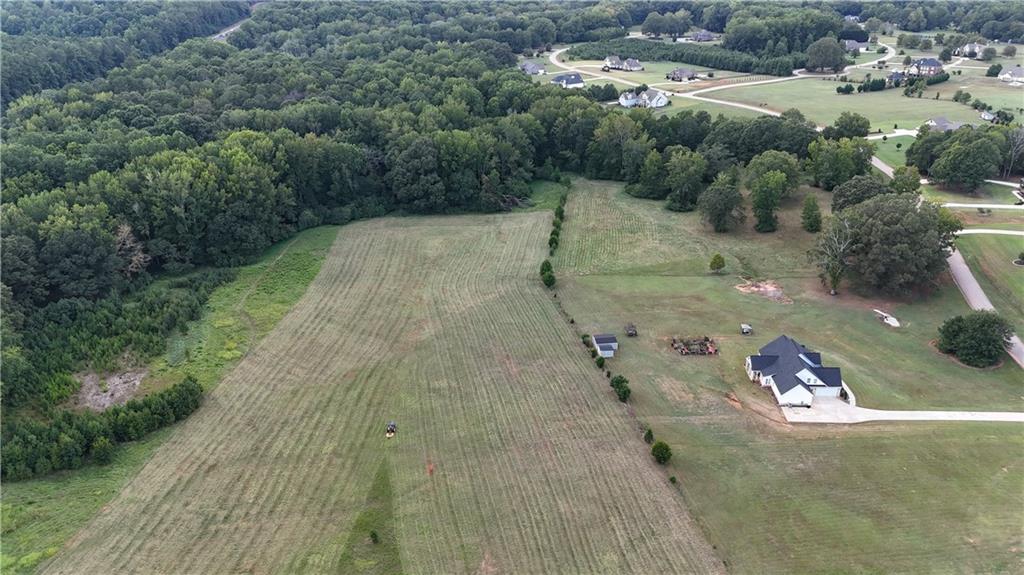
[(878, 498), (512, 453)]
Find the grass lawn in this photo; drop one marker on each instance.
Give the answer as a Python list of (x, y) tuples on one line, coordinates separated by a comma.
[(818, 100), (991, 260), (879, 497), (545, 196), (39, 515), (985, 194), (653, 72), (889, 153), (512, 455)]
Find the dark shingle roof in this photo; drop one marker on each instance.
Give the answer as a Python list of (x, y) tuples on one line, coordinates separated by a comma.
[(784, 357), (573, 78), (605, 338), (928, 62)]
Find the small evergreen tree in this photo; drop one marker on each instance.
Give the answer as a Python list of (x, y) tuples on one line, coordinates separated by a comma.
[(661, 452), (810, 218), (548, 279), (545, 267), (717, 263), (648, 436)]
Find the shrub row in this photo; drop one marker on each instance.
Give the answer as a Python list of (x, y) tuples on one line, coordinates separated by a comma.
[(31, 449), (621, 386)]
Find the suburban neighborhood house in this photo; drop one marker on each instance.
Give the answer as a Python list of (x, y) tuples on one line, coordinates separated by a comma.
[(571, 80), (649, 98), (851, 45), (1015, 74), (970, 50), (532, 68), (925, 67), (941, 124), (681, 75), (794, 373), (628, 65), (605, 344)]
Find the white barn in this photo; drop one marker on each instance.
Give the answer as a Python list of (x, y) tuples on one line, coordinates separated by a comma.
[(793, 372)]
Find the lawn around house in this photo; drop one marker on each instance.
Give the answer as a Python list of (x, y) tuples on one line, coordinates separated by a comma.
[(878, 497), (888, 152), (39, 515)]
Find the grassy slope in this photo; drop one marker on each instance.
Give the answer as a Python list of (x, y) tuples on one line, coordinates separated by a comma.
[(877, 498), (512, 454), (887, 151), (991, 260), (40, 515), (986, 194)]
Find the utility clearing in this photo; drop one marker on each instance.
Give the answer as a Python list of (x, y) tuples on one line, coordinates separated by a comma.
[(513, 453)]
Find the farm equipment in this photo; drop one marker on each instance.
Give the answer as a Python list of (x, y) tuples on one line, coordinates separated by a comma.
[(630, 330), (695, 346), (391, 430)]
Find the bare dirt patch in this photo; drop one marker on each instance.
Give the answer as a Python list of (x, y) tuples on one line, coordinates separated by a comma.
[(98, 392), (766, 289)]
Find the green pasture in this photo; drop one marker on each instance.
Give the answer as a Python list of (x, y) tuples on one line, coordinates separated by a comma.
[(990, 258)]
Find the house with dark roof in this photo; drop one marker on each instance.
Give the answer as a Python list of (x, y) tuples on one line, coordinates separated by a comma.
[(896, 79), (704, 36), (571, 80), (605, 344), (941, 124), (925, 67), (632, 65), (532, 68), (793, 372), (613, 62), (681, 75), (852, 18)]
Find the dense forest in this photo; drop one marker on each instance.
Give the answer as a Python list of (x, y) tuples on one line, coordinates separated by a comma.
[(205, 154), (49, 44)]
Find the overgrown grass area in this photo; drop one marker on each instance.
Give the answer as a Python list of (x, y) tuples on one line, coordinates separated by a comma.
[(39, 515), (888, 151), (877, 497), (545, 195), (991, 258), (818, 100)]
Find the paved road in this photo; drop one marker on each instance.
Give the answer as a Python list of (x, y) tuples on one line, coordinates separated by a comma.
[(987, 206), (833, 410), (990, 231), (976, 297)]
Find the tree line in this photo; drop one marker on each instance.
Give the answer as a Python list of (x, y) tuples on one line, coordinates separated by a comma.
[(72, 439), (689, 53)]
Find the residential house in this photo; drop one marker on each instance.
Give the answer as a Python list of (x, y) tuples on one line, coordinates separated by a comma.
[(632, 65), (605, 344), (704, 36), (851, 18), (941, 124), (681, 75), (851, 45), (613, 63), (649, 98), (987, 116), (1015, 74), (970, 50), (794, 373), (532, 68), (571, 80), (896, 79), (925, 67)]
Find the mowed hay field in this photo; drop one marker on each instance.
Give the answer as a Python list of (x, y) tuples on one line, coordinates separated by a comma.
[(512, 454), (779, 498)]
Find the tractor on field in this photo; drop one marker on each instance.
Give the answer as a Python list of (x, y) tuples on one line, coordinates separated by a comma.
[(391, 430)]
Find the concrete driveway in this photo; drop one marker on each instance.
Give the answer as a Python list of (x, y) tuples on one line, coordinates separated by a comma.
[(834, 410)]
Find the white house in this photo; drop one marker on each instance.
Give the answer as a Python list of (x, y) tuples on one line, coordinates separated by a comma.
[(628, 65), (649, 98), (851, 45), (793, 372), (605, 344), (970, 50), (1015, 74), (571, 80), (632, 65)]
